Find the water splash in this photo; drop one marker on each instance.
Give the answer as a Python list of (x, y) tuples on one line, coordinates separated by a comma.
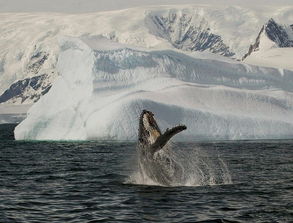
[(196, 168)]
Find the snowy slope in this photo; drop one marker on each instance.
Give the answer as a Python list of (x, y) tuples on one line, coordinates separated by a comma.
[(274, 57), (104, 86), (28, 41)]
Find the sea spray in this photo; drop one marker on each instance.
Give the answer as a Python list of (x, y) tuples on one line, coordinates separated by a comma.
[(189, 166)]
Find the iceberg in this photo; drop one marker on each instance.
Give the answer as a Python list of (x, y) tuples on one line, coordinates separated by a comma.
[(103, 86)]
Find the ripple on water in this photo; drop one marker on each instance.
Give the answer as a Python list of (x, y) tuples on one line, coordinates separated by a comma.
[(87, 182)]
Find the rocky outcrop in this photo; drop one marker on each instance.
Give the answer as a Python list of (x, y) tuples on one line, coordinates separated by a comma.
[(36, 62), (181, 31), (27, 90), (278, 34)]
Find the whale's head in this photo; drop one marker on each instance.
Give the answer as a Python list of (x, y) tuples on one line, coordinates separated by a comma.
[(148, 128)]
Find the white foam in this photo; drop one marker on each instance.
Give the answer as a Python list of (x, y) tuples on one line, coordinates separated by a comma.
[(196, 169)]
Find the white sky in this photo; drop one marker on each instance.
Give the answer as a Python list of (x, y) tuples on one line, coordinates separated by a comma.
[(79, 6)]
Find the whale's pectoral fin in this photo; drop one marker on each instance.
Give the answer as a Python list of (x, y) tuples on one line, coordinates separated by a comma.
[(164, 138)]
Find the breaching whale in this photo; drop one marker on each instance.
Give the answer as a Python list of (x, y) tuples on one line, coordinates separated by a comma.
[(154, 151)]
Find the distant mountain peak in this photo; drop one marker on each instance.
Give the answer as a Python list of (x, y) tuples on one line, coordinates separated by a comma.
[(276, 33)]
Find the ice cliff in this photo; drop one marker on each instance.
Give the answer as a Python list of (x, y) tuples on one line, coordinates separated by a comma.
[(103, 86)]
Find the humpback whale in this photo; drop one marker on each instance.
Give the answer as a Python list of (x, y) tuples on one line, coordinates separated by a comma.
[(155, 152)]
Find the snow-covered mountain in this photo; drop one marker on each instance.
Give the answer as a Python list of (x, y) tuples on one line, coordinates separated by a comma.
[(29, 41), (273, 46), (272, 35), (104, 86)]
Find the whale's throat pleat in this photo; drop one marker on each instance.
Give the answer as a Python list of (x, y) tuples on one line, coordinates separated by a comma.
[(153, 132)]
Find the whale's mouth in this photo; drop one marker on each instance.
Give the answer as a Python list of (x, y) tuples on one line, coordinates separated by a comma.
[(149, 130)]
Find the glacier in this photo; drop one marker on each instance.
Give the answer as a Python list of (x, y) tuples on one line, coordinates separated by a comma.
[(103, 86), (28, 43)]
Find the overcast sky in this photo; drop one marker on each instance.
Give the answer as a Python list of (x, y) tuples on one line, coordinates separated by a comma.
[(79, 6)]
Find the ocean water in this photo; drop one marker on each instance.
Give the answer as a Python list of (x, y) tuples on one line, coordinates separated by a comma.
[(233, 181)]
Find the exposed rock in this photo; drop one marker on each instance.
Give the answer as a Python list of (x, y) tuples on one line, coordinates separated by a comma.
[(30, 88), (278, 34), (182, 33), (37, 61)]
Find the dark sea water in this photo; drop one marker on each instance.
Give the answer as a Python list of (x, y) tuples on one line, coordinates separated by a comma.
[(89, 182)]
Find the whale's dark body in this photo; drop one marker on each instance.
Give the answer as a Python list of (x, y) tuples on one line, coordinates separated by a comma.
[(154, 151)]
